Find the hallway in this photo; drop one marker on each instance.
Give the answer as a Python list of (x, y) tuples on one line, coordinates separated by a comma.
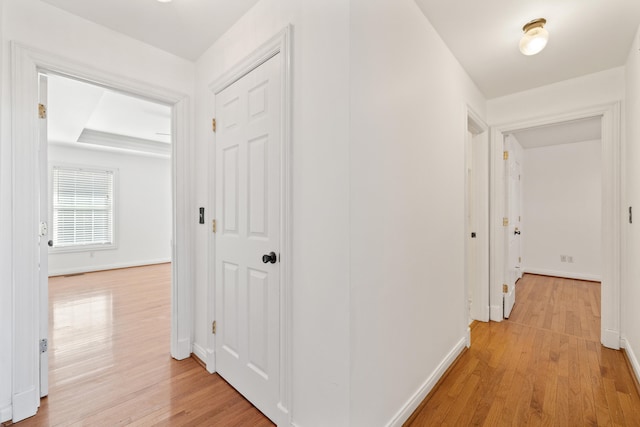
[(542, 366)]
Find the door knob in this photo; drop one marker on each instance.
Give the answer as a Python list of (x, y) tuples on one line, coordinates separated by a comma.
[(50, 243), (271, 257), (516, 231)]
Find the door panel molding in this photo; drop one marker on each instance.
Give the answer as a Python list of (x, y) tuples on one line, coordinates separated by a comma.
[(612, 209), (279, 44), (26, 63)]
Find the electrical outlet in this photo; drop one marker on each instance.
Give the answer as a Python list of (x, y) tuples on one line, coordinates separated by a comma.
[(563, 258), (569, 259)]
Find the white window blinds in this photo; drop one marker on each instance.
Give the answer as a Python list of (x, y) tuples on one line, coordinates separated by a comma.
[(82, 207)]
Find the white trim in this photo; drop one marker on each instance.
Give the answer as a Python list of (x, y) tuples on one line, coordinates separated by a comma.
[(611, 211), (565, 274), (417, 398), (610, 338), (278, 44), (480, 309), (200, 352), (497, 312), (23, 403), (5, 412), (91, 269), (26, 62), (633, 359)]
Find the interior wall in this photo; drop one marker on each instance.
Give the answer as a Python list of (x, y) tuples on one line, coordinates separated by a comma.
[(41, 26), (591, 90), (320, 255), (631, 279), (407, 172), (142, 216), (562, 210)]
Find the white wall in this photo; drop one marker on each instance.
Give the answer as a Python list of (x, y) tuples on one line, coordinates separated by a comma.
[(320, 193), (142, 211), (39, 25), (407, 173), (570, 95), (631, 279), (561, 188)]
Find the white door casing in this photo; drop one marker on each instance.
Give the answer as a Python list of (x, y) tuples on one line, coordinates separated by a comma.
[(477, 217), (248, 145), (44, 236)]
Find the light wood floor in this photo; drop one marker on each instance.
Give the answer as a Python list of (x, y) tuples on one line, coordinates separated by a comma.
[(110, 362), (543, 366)]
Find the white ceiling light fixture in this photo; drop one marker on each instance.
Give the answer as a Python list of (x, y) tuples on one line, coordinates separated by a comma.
[(164, 1), (535, 37)]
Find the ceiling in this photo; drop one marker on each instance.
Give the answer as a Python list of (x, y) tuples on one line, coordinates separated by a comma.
[(585, 36), (185, 28), (561, 133), (82, 113)]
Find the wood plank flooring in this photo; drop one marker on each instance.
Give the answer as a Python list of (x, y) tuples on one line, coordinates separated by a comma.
[(542, 366), (110, 363)]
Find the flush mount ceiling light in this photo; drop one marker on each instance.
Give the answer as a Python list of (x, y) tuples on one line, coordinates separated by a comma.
[(535, 37), (164, 1)]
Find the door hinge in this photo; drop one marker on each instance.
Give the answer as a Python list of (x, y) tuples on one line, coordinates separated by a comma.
[(213, 125), (505, 155), (44, 345), (505, 288), (42, 111), (505, 222), (213, 226), (213, 327), (519, 259)]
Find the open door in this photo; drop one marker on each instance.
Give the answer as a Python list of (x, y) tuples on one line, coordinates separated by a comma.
[(513, 156), (44, 233)]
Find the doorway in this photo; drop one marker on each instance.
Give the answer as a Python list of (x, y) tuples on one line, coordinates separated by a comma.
[(610, 211), (105, 191), (28, 298)]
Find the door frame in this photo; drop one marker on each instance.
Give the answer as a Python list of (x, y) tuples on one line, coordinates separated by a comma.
[(27, 62), (480, 289), (280, 44), (612, 211)]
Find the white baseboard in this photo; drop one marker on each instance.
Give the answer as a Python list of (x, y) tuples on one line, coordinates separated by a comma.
[(565, 274), (89, 269), (5, 412), (413, 403), (632, 357), (468, 337), (211, 361), (200, 352), (496, 313), (610, 338)]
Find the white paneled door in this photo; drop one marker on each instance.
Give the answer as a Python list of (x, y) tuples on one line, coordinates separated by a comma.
[(247, 239), (513, 273)]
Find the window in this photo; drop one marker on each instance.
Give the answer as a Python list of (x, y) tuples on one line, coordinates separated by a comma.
[(82, 208)]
